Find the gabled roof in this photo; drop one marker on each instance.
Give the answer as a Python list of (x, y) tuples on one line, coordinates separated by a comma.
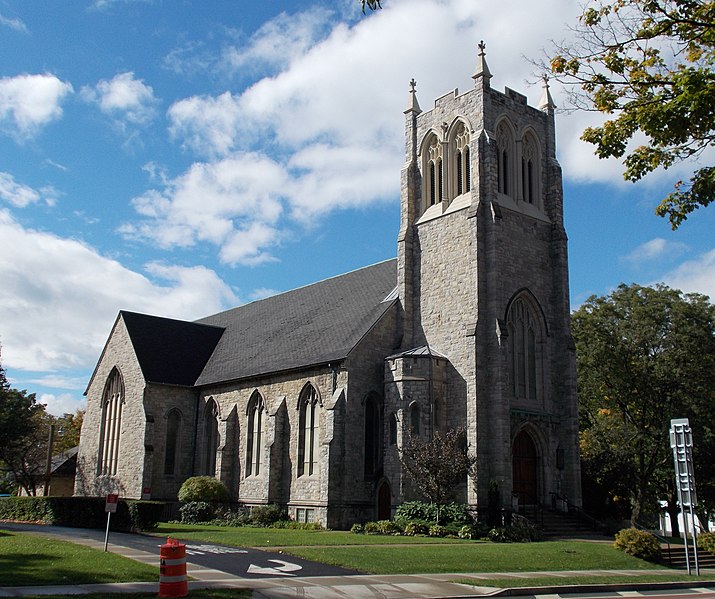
[(316, 324), (172, 352)]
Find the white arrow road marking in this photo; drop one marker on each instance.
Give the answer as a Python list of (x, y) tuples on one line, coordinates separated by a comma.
[(284, 569)]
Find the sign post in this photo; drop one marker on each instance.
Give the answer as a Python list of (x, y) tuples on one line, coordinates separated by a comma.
[(681, 441), (110, 507)]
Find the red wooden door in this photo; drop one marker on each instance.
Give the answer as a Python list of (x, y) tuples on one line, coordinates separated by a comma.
[(524, 469)]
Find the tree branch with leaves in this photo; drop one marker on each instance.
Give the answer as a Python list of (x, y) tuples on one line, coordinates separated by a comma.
[(648, 64)]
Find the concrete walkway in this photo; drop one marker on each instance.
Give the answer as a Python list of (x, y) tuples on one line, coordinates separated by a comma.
[(427, 586)]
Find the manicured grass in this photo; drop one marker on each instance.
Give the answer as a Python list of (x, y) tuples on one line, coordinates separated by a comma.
[(544, 581), (251, 536), (475, 557), (37, 560)]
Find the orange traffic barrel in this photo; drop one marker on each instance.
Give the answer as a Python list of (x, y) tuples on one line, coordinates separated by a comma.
[(172, 570)]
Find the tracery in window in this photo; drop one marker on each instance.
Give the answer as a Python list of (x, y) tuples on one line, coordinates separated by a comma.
[(308, 431), (530, 170), (461, 160), (435, 171), (373, 436), (253, 438), (173, 427), (111, 426), (524, 337), (211, 437), (505, 156)]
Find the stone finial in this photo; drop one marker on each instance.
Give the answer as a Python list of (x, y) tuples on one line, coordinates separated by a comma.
[(546, 103), (482, 72), (412, 104)]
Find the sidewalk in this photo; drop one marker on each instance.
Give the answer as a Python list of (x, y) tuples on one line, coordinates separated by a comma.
[(427, 586)]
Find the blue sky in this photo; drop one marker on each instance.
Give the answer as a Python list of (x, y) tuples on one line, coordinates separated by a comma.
[(179, 158)]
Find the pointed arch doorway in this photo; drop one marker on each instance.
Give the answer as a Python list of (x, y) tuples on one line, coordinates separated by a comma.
[(384, 502), (525, 469)]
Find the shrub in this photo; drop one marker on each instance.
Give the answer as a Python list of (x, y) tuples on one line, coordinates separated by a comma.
[(203, 488), (638, 543), (357, 529), (372, 528), (82, 512), (414, 529), (437, 530), (388, 527), (196, 512), (266, 515), (224, 516), (706, 541), (410, 511), (520, 530), (293, 525), (466, 532)]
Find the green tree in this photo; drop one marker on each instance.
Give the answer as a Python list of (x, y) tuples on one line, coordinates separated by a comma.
[(23, 435), (644, 356), (438, 465), (648, 64), (371, 4)]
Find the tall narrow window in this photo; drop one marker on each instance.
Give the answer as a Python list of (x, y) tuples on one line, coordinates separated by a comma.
[(308, 431), (414, 418), (523, 347), (460, 149), (373, 437), (393, 429), (173, 426), (505, 155), (111, 427), (253, 440), (211, 437), (530, 169), (433, 172)]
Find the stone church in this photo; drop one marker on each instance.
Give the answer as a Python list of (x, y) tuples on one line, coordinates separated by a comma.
[(305, 398)]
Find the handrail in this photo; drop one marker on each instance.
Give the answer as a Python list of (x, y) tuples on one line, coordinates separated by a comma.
[(595, 523), (536, 508)]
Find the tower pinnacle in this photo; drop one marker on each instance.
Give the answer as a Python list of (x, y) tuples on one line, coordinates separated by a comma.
[(482, 70)]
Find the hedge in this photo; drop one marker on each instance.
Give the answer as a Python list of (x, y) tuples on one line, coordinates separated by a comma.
[(82, 512)]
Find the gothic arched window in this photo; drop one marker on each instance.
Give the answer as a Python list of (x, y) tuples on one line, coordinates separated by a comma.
[(505, 157), (462, 169), (173, 427), (373, 436), (530, 170), (211, 437), (393, 429), (308, 431), (111, 426), (253, 438), (414, 418), (433, 170), (524, 359)]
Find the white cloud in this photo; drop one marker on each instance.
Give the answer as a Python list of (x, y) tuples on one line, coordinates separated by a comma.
[(278, 41), (694, 276), (30, 102), (231, 203), (15, 24), (21, 196), (65, 297), (65, 403), (123, 98), (655, 250)]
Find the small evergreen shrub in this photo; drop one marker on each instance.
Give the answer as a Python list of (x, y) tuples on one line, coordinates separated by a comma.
[(388, 527), (466, 532), (437, 530), (706, 541), (413, 529), (520, 530), (638, 543), (371, 528), (357, 529), (266, 515), (203, 488), (196, 512)]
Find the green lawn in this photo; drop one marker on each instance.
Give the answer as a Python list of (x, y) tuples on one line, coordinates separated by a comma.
[(38, 560), (543, 581), (475, 557), (251, 536)]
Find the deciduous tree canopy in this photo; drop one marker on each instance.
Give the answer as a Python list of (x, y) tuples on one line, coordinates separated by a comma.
[(649, 63), (644, 356)]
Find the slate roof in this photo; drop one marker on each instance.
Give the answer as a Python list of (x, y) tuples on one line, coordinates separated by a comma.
[(312, 325), (316, 324), (169, 351)]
